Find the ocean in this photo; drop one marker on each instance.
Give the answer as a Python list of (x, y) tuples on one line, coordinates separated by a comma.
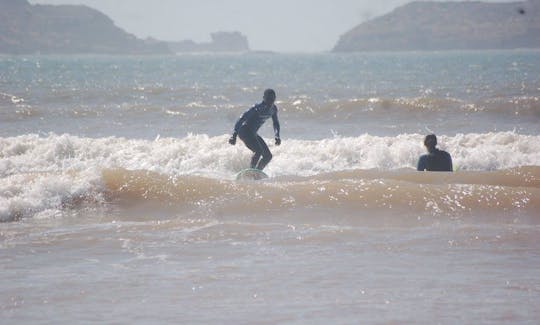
[(119, 204)]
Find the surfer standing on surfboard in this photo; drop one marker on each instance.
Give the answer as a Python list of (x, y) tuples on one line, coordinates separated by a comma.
[(250, 122)]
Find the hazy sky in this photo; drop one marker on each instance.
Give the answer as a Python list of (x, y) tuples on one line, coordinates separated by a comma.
[(277, 25)]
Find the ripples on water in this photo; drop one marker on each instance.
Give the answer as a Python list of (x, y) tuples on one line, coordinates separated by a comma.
[(132, 215)]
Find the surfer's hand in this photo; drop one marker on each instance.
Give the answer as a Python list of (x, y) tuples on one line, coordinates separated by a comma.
[(278, 141), (232, 140)]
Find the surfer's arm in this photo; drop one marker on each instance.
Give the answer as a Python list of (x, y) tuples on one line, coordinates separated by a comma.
[(421, 164), (275, 120), (450, 166), (237, 126), (242, 119)]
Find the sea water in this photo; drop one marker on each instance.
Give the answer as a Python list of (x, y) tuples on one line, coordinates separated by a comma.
[(118, 202)]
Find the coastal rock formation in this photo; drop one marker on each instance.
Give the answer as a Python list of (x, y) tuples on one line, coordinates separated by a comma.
[(221, 42), (426, 26), (65, 29)]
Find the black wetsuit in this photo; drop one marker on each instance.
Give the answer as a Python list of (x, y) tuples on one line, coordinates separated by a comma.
[(436, 161), (247, 127)]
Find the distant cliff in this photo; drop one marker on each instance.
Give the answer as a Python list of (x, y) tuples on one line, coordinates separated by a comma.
[(221, 42), (426, 26), (66, 29)]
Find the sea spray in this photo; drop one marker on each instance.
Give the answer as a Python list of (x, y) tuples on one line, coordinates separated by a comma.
[(59, 171)]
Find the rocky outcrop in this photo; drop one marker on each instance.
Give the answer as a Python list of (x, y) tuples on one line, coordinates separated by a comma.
[(65, 29), (221, 42), (426, 26)]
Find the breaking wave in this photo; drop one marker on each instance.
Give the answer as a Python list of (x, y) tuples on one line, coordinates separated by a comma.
[(359, 176)]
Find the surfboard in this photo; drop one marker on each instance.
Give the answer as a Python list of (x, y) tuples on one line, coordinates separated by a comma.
[(251, 174)]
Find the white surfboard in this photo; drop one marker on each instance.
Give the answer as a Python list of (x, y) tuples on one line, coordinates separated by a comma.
[(251, 174)]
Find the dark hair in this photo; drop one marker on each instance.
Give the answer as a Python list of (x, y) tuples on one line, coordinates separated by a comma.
[(430, 141), (269, 92)]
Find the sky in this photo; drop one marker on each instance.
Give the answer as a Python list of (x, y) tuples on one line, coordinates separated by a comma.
[(274, 25)]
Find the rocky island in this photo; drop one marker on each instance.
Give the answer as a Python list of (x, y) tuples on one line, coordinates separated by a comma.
[(77, 29), (429, 26), (221, 42), (65, 29)]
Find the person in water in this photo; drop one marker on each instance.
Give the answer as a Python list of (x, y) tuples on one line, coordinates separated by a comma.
[(436, 160), (249, 123)]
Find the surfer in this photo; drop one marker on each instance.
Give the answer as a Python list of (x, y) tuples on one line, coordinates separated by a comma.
[(249, 123), (436, 160)]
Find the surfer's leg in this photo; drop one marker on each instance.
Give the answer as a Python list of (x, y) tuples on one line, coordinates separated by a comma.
[(265, 152), (250, 140)]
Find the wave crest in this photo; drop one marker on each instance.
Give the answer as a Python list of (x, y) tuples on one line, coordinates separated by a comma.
[(57, 172), (355, 197)]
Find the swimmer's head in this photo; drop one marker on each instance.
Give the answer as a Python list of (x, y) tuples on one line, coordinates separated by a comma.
[(430, 141), (269, 96)]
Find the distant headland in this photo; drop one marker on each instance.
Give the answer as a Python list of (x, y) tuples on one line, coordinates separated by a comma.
[(77, 29), (221, 42), (429, 26), (418, 26)]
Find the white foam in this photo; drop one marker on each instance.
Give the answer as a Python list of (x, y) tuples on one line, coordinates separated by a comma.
[(43, 173), (42, 194), (488, 151)]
